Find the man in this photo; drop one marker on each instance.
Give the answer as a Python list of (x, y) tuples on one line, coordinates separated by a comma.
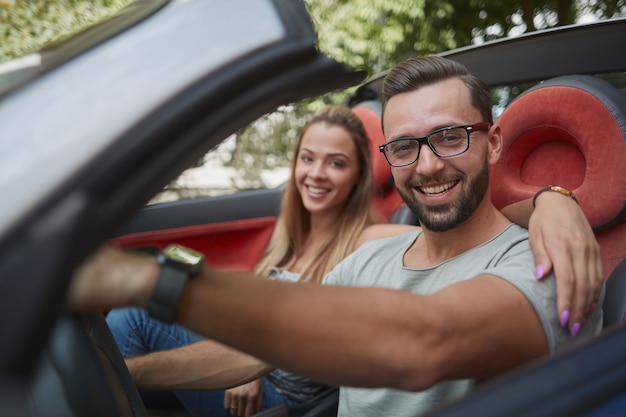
[(470, 306)]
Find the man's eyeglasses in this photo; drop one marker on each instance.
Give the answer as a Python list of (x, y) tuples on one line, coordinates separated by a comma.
[(445, 143)]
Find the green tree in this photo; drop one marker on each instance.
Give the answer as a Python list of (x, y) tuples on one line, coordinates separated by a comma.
[(374, 35), (26, 26)]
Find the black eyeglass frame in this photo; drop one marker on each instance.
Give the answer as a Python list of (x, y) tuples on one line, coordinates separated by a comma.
[(469, 129)]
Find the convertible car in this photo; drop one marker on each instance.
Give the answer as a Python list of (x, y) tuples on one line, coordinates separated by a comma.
[(93, 127)]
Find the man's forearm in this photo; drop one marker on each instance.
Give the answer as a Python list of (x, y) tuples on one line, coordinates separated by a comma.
[(367, 337), (317, 331), (205, 365)]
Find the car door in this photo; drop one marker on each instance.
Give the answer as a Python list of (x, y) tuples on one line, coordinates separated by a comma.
[(93, 127)]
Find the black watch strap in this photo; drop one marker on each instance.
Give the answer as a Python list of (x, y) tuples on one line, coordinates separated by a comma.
[(163, 304)]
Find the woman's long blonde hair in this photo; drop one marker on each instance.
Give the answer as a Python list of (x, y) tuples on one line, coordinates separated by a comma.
[(293, 224)]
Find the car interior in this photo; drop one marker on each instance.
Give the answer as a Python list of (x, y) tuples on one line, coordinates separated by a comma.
[(551, 133), (222, 242), (64, 195)]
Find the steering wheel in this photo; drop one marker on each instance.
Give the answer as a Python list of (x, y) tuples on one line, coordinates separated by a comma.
[(82, 373)]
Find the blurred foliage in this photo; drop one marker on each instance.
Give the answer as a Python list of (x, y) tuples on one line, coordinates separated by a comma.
[(376, 34), (372, 35), (26, 26)]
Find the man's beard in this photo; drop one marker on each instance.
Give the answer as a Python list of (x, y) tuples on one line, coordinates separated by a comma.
[(443, 217)]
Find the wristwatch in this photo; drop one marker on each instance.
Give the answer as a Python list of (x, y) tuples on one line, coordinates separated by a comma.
[(178, 263), (557, 189)]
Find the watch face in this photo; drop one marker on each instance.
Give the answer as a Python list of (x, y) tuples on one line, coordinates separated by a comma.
[(189, 259)]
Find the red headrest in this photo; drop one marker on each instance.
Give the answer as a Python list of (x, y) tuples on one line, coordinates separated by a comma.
[(568, 131), (382, 171)]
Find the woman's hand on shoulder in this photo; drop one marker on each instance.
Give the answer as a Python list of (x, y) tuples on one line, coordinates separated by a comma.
[(562, 240)]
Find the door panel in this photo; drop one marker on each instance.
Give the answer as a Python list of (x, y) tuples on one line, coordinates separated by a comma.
[(231, 230), (235, 245)]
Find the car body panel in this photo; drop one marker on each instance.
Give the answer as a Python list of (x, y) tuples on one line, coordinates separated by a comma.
[(572, 384)]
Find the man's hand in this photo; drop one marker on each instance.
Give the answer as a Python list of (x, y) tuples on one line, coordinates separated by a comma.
[(244, 400), (112, 278), (562, 239)]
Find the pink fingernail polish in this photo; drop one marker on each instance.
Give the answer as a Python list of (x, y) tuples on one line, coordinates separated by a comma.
[(564, 318), (539, 271), (575, 329)]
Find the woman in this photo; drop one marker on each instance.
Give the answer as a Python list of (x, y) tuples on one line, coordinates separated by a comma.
[(325, 208)]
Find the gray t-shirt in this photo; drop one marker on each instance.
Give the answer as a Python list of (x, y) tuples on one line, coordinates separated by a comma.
[(379, 264)]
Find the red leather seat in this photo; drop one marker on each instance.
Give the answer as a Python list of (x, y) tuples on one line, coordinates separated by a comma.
[(569, 131), (386, 199)]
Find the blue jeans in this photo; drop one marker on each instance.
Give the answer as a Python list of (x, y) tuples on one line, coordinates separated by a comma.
[(136, 333)]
